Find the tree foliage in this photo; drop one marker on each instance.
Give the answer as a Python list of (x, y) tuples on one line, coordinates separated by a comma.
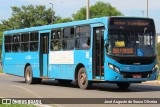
[(100, 9), (158, 53), (63, 20), (27, 16)]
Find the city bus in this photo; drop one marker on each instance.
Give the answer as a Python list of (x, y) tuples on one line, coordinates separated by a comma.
[(119, 50)]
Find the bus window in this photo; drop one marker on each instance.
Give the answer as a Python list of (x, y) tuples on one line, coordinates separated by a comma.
[(56, 40), (7, 47), (24, 47), (16, 38), (82, 40), (25, 37), (68, 39), (16, 47), (34, 41), (34, 36), (16, 43), (8, 41), (68, 44), (25, 42)]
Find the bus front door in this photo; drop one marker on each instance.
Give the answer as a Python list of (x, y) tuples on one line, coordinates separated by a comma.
[(98, 53), (44, 50)]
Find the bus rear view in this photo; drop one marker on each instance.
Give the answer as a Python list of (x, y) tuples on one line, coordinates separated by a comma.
[(130, 51)]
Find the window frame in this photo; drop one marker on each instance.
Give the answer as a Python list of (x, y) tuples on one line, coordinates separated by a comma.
[(16, 42), (8, 43), (89, 32), (72, 38), (23, 42), (35, 41), (56, 39)]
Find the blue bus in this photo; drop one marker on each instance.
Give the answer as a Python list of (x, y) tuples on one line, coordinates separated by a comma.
[(120, 50)]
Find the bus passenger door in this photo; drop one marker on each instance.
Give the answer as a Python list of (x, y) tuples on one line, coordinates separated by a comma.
[(44, 50), (98, 53)]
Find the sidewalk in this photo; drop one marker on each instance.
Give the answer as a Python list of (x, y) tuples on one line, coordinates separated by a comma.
[(156, 82)]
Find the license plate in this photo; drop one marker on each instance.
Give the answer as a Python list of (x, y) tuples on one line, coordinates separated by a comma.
[(137, 76)]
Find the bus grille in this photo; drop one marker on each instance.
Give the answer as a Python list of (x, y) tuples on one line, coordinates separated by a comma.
[(131, 74), (134, 61)]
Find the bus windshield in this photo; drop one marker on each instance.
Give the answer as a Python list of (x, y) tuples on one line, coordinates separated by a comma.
[(131, 42)]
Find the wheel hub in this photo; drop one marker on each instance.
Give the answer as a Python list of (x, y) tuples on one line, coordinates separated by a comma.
[(83, 78), (29, 75)]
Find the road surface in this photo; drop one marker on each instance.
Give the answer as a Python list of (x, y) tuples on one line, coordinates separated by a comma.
[(15, 87)]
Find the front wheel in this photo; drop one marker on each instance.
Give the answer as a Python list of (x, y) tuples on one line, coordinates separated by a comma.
[(83, 79), (123, 85)]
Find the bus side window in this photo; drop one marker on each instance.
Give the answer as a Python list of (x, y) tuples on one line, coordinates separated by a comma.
[(7, 47), (55, 43), (24, 42), (34, 41), (8, 42), (16, 43), (82, 39), (16, 47), (68, 38)]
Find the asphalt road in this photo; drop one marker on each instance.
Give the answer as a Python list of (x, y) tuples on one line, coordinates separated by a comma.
[(15, 87)]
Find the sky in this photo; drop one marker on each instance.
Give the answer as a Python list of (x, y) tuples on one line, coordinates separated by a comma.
[(65, 8)]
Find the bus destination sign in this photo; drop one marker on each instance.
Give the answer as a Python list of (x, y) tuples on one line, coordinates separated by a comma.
[(129, 22)]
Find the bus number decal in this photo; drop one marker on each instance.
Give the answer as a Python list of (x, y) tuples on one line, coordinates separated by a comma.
[(123, 50)]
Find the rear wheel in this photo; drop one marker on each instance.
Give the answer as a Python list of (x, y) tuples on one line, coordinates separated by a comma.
[(29, 76), (83, 79), (123, 85)]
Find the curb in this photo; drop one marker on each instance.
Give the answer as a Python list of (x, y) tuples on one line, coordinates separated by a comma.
[(152, 82)]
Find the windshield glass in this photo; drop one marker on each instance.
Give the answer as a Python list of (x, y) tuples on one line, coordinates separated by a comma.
[(131, 42)]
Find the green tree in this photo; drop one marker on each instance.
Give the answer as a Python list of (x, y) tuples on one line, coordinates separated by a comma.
[(27, 16), (0, 43), (100, 9), (158, 53), (63, 20)]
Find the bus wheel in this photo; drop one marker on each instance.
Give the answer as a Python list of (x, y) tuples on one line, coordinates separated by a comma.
[(83, 79), (123, 85), (29, 76)]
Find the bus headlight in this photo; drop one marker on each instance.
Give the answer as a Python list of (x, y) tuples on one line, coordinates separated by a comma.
[(116, 69), (113, 67)]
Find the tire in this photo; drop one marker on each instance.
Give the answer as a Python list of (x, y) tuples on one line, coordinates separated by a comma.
[(123, 85), (83, 82), (29, 76)]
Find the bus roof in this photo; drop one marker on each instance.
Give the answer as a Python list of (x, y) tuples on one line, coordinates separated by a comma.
[(59, 25)]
